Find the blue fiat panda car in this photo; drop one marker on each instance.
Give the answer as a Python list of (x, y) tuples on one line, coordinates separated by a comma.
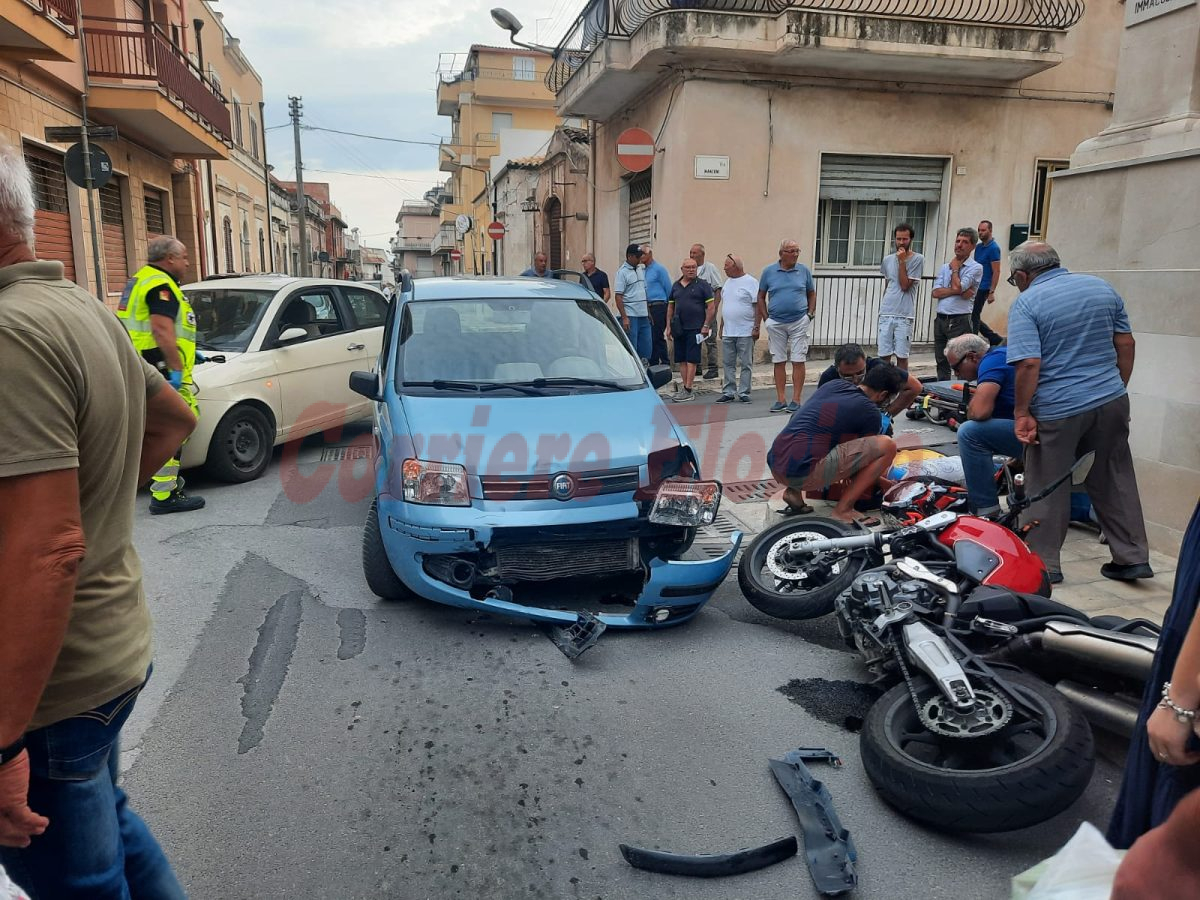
[(525, 463)]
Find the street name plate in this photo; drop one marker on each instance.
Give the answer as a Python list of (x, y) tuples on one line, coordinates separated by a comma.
[(712, 167), (1138, 11), (69, 134)]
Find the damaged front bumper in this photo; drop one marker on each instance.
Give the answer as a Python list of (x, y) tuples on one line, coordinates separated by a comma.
[(673, 592)]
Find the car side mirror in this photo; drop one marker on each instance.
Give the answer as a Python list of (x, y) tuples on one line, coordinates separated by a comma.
[(291, 335), (660, 375), (367, 384)]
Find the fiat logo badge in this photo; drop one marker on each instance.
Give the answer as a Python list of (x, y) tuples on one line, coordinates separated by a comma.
[(562, 487)]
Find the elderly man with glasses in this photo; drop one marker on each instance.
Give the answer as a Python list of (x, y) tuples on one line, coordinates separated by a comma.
[(1070, 340), (990, 428), (851, 363)]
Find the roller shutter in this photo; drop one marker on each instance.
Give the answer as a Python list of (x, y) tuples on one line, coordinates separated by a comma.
[(897, 178), (641, 216), (52, 216), (112, 220)]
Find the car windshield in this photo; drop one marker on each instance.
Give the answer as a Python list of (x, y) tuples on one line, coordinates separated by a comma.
[(549, 345), (227, 317)]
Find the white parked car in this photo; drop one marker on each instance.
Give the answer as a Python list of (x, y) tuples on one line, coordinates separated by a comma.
[(290, 345)]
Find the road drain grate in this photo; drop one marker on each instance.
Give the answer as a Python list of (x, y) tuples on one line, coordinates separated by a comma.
[(355, 451), (750, 491)]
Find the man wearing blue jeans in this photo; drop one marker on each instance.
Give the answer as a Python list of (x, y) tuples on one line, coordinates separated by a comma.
[(630, 290), (86, 420), (990, 428)]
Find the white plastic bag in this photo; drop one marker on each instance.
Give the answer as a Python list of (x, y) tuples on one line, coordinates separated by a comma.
[(8, 890), (1083, 869)]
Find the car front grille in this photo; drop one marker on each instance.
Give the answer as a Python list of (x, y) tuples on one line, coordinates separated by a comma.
[(565, 559), (537, 487)]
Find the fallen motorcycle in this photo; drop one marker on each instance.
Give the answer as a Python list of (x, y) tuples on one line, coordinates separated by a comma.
[(947, 613)]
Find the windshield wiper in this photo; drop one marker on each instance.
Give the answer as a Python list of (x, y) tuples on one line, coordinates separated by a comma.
[(205, 345), (573, 379), (442, 384)]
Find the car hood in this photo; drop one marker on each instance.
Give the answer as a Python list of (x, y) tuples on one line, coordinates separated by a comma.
[(520, 435)]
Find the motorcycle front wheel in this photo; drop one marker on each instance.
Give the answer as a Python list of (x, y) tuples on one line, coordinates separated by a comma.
[(790, 585), (1027, 772)]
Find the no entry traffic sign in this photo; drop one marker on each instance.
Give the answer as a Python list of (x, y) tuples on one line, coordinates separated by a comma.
[(635, 149), (496, 231), (456, 255)]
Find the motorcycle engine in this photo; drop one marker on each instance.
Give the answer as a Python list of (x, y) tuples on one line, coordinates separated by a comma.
[(871, 594)]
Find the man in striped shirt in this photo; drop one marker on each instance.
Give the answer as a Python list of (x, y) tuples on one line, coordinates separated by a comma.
[(1071, 343)]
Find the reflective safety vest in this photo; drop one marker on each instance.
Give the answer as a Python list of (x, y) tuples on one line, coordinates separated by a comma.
[(134, 313)]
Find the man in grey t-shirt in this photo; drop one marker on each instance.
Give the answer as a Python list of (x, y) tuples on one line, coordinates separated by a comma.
[(902, 270)]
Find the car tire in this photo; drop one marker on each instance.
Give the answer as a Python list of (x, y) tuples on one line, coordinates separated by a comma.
[(381, 577), (241, 445)]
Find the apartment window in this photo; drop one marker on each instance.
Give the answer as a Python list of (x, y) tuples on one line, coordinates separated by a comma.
[(262, 250), (863, 199), (245, 243), (253, 137), (227, 228), (523, 68), (1043, 184), (501, 121), (155, 207), (237, 121)]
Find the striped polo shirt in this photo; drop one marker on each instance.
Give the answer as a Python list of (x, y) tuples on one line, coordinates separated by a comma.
[(1068, 321)]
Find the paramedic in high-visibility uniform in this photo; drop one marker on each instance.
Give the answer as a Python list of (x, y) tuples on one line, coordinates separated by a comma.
[(163, 328)]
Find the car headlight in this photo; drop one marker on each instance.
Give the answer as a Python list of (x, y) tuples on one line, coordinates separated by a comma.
[(435, 483), (687, 503)]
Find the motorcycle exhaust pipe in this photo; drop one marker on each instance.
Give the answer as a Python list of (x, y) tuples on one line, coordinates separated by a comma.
[(1103, 710), (1130, 655)]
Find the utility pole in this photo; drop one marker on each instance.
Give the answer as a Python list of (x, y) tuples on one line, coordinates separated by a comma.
[(296, 109)]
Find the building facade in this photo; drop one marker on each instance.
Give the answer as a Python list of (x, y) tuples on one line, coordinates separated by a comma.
[(499, 109), (141, 78), (237, 235), (417, 223), (1128, 209), (830, 126)]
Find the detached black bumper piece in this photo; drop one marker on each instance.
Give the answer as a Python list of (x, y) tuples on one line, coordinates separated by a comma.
[(828, 848), (574, 639), (711, 865)]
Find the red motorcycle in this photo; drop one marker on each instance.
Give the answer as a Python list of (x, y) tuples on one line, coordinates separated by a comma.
[(948, 614)]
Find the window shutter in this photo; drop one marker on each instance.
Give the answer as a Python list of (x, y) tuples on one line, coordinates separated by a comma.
[(904, 178)]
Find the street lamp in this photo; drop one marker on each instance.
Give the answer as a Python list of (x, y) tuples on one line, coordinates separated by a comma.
[(510, 23)]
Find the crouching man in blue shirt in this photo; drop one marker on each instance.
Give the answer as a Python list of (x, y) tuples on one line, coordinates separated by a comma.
[(991, 428), (835, 437)]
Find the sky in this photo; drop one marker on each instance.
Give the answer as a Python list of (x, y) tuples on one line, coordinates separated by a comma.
[(369, 66)]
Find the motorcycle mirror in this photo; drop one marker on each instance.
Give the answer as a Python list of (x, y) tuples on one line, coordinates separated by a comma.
[(1082, 467)]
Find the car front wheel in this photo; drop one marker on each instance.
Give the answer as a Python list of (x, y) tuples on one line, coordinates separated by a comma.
[(241, 445)]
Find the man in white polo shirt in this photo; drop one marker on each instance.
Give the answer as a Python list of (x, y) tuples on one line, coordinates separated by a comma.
[(741, 330)]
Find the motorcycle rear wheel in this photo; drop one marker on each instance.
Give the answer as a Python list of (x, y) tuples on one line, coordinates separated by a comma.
[(1027, 773), (802, 598)]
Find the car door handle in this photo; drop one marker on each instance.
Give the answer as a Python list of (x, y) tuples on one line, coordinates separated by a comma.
[(356, 347)]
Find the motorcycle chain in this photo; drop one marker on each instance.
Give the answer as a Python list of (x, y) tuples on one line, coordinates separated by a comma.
[(926, 721)]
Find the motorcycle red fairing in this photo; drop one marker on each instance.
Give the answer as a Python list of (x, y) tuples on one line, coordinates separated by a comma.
[(993, 555)]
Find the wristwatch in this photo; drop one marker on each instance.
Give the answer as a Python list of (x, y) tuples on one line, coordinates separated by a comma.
[(12, 751)]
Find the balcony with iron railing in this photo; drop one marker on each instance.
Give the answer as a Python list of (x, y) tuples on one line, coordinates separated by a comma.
[(148, 87), (444, 241), (616, 49), (39, 29)]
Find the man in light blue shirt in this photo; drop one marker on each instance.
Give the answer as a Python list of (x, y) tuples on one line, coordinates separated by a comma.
[(987, 254), (630, 290), (539, 269), (658, 289), (1070, 341), (954, 289), (787, 301)]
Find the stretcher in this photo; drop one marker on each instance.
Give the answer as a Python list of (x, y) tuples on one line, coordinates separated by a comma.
[(942, 402)]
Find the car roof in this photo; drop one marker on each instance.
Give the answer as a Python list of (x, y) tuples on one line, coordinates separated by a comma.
[(269, 283), (463, 287)]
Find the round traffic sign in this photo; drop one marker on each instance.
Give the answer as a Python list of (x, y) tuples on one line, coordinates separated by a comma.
[(102, 170), (496, 231), (635, 149), (456, 255)]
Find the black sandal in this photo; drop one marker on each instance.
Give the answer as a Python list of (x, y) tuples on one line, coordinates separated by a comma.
[(790, 510)]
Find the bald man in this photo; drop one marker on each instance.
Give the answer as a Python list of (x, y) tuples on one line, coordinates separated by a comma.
[(739, 309)]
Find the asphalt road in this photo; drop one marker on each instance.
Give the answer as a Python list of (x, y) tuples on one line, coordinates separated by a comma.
[(302, 739)]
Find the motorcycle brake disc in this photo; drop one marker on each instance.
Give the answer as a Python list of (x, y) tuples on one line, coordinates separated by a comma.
[(781, 570), (991, 713)]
